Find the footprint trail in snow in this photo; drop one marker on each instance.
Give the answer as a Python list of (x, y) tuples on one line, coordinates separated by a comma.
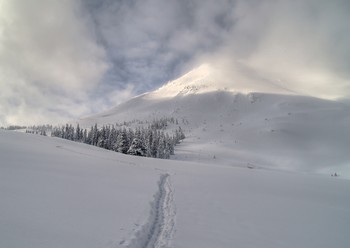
[(159, 230)]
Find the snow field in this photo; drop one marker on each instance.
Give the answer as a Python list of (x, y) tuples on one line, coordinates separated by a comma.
[(56, 193)]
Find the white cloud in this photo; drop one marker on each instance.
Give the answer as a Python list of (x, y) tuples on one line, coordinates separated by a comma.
[(49, 60), (301, 44), (63, 59)]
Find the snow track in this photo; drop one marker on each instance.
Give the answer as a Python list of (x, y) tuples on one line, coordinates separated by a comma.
[(159, 230)]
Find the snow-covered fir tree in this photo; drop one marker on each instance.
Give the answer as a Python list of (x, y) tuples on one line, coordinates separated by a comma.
[(123, 143), (137, 148), (151, 141)]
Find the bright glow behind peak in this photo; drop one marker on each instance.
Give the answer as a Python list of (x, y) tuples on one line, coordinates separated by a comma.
[(208, 78)]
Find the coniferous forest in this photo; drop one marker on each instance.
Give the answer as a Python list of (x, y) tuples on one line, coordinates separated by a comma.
[(151, 141)]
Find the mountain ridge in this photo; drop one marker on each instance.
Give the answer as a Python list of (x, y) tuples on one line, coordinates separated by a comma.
[(272, 130), (207, 78)]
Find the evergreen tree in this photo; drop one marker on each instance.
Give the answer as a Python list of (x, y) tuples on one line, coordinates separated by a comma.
[(94, 135), (137, 148), (101, 139), (151, 141), (77, 134), (85, 136), (89, 139), (154, 145), (161, 147), (123, 145)]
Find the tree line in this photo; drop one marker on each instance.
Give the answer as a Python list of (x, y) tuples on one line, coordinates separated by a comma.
[(151, 141)]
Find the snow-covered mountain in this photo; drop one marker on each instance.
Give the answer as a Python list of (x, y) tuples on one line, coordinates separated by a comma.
[(209, 78), (59, 193), (245, 120)]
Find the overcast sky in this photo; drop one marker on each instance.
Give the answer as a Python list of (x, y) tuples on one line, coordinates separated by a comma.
[(62, 59)]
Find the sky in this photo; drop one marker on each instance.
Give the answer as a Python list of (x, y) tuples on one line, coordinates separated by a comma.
[(63, 59)]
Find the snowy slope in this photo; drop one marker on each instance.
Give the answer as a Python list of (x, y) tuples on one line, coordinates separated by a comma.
[(245, 120), (56, 193)]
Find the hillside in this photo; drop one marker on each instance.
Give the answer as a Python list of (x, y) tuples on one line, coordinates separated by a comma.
[(57, 193), (245, 121)]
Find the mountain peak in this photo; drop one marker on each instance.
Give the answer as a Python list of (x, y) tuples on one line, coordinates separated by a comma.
[(208, 78), (197, 80)]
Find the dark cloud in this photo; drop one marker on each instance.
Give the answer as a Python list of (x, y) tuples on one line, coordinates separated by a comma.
[(300, 44), (71, 58), (149, 41)]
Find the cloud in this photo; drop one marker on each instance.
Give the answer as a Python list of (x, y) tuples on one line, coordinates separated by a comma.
[(302, 45), (60, 60), (49, 61), (151, 41)]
